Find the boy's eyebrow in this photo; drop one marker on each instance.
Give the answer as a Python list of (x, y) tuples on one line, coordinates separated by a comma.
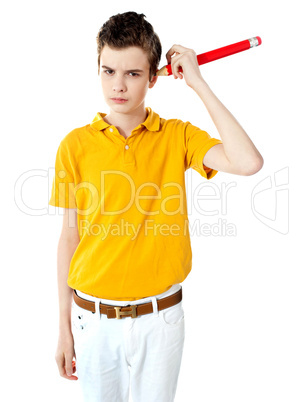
[(137, 70)]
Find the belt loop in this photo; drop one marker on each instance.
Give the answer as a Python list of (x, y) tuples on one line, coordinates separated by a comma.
[(155, 306), (97, 309)]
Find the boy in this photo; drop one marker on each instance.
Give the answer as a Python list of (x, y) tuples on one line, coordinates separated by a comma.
[(125, 239)]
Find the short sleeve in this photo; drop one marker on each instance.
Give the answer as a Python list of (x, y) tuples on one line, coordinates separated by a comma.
[(197, 143), (63, 187)]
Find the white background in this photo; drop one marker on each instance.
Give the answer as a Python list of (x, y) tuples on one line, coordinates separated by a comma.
[(243, 298)]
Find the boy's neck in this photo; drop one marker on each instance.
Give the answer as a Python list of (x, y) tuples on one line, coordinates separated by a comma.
[(125, 123)]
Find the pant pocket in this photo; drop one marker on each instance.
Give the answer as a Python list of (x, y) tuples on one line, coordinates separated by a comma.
[(81, 319), (172, 316)]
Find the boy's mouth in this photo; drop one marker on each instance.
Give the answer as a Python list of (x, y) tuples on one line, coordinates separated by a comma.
[(119, 100)]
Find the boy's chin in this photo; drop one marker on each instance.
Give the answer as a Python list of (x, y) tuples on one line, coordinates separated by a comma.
[(119, 109), (122, 108)]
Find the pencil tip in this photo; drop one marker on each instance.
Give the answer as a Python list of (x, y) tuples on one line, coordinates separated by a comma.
[(162, 72)]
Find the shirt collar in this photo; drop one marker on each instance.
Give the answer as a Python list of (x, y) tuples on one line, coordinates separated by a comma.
[(152, 122)]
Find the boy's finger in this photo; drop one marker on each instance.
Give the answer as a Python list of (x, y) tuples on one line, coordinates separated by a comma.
[(71, 377), (69, 364), (175, 49), (175, 66), (171, 51)]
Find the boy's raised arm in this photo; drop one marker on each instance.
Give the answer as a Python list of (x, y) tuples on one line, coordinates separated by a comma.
[(237, 154)]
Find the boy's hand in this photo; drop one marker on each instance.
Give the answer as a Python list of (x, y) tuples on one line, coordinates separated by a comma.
[(64, 356), (187, 59)]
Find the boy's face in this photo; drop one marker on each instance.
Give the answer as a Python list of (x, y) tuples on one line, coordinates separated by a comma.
[(125, 75)]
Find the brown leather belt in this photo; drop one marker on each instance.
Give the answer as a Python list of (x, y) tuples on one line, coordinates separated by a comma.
[(129, 311)]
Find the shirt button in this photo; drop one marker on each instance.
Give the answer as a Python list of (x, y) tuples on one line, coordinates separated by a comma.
[(126, 146), (111, 130)]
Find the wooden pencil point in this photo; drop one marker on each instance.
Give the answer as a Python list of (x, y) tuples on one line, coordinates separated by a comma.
[(162, 72)]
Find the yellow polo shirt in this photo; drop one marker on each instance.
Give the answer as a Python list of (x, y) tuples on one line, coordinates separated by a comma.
[(131, 202)]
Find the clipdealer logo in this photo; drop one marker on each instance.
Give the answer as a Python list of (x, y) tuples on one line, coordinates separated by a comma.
[(270, 201)]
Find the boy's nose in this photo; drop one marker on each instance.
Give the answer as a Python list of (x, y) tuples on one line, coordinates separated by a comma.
[(119, 85)]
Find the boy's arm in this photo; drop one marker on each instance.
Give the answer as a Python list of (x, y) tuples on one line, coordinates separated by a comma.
[(237, 154), (68, 242)]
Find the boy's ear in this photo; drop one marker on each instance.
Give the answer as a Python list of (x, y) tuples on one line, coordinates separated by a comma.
[(153, 81)]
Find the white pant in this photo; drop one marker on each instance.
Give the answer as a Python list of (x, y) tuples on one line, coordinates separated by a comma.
[(143, 353)]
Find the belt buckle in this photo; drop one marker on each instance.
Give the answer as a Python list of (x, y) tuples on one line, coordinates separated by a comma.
[(132, 311)]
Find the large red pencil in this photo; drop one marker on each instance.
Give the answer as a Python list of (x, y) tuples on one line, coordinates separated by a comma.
[(217, 54)]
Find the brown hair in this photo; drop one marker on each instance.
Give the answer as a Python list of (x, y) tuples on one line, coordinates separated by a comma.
[(131, 29)]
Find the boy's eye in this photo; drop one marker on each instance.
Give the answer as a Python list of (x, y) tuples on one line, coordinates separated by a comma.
[(110, 72)]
